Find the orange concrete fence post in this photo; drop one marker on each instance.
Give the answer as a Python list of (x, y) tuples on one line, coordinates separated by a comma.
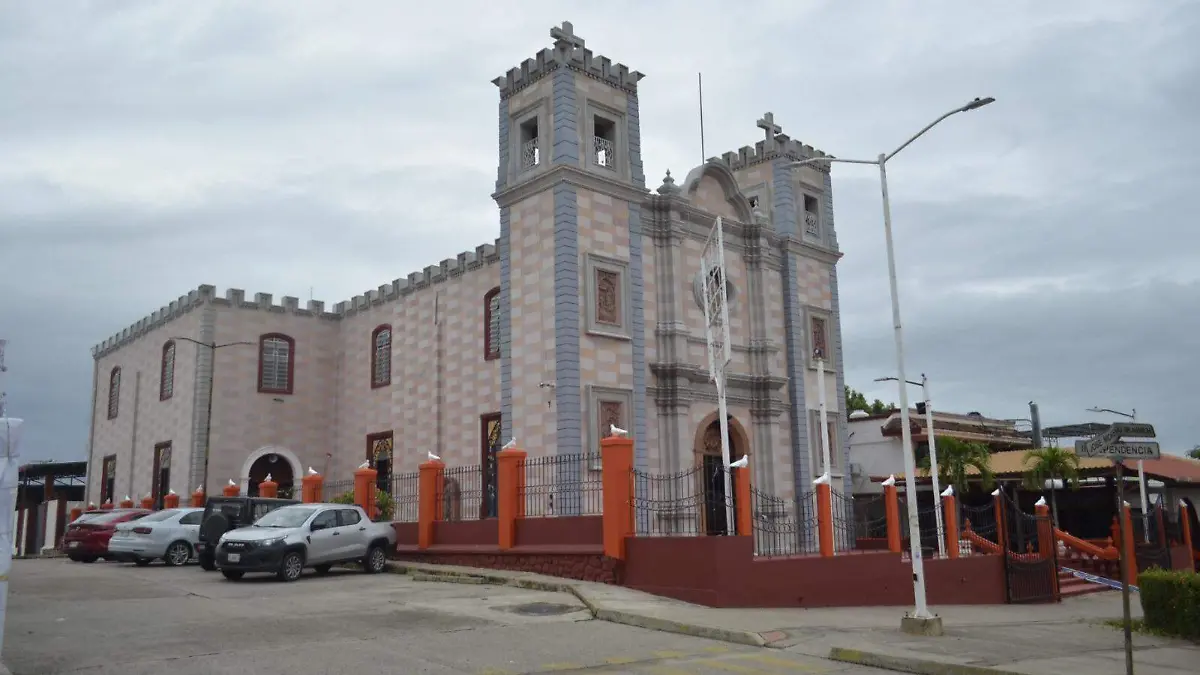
[(950, 524), (311, 487), (1001, 522), (75, 513), (742, 500), (231, 489), (268, 488), (364, 490), (1045, 530), (825, 519), (616, 456), (106, 506), (198, 497), (431, 479), (1185, 526), (510, 466), (148, 501), (126, 503), (891, 504), (171, 500), (1128, 549)]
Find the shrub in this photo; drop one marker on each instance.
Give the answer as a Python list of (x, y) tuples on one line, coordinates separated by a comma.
[(1171, 602), (383, 503)]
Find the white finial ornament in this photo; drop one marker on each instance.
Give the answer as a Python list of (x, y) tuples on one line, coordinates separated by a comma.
[(891, 480), (822, 480), (200, 487), (170, 492), (949, 491), (312, 471), (741, 463), (365, 465), (1040, 502), (433, 457), (232, 483), (268, 480), (996, 492), (512, 443), (617, 431)]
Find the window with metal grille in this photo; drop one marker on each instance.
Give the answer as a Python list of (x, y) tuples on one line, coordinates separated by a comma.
[(166, 386), (381, 356), (491, 325), (114, 393), (276, 363)]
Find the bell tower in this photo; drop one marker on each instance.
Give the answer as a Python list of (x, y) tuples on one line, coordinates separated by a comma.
[(569, 185)]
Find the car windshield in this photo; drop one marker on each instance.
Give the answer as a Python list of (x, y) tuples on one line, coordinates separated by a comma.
[(288, 516), (103, 518), (159, 515)]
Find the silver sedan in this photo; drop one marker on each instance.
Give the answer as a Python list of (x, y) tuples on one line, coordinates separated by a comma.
[(170, 534)]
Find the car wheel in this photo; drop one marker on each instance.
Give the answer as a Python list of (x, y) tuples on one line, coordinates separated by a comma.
[(291, 567), (375, 561), (233, 575), (87, 559), (141, 562), (207, 562), (178, 554), (323, 569)]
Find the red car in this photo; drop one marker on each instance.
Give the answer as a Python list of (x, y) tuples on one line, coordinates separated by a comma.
[(86, 539)]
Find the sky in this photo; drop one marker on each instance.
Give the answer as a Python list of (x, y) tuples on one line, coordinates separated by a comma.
[(1046, 245)]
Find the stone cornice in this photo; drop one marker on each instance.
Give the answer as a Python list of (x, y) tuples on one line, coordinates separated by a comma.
[(571, 175)]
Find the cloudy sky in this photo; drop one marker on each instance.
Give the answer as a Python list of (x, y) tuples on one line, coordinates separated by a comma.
[(1047, 245)]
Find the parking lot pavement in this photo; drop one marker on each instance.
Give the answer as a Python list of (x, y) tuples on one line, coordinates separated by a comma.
[(104, 618)]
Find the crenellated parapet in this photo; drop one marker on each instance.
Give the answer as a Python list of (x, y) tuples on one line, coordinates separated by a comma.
[(450, 268), (784, 147), (568, 52)]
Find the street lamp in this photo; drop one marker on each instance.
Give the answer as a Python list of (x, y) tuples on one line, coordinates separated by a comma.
[(1141, 471), (933, 463), (921, 611), (211, 375)]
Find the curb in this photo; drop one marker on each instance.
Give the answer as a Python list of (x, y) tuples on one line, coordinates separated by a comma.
[(906, 664), (599, 613)]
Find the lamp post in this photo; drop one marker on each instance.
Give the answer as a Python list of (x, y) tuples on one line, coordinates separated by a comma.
[(822, 406), (921, 611), (1141, 472), (211, 373), (933, 462)]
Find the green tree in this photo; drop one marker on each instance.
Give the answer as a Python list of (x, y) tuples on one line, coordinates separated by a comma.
[(956, 458), (1051, 463), (856, 400), (1194, 453)]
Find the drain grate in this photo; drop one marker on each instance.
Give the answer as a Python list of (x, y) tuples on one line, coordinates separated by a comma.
[(540, 609)]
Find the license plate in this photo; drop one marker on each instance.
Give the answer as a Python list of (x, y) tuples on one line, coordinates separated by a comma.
[(235, 557), (73, 544)]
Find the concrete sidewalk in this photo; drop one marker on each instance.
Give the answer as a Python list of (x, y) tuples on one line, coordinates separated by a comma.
[(1067, 637)]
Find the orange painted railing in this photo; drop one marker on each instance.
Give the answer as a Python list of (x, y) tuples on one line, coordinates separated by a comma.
[(1085, 547)]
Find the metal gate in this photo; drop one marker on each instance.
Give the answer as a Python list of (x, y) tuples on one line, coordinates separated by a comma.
[(1029, 574), (1151, 548)]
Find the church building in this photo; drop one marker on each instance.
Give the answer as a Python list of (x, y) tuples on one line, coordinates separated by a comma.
[(586, 311)]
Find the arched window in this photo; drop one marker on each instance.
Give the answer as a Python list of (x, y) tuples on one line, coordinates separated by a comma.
[(114, 393), (276, 363), (491, 324), (166, 383), (381, 356)]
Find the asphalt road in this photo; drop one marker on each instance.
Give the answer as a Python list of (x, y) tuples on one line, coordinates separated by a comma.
[(104, 618)]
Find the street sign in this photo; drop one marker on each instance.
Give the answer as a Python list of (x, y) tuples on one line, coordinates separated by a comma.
[(1097, 443), (1122, 450), (1133, 430)]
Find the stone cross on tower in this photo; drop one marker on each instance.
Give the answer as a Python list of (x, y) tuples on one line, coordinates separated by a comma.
[(565, 37), (767, 124)]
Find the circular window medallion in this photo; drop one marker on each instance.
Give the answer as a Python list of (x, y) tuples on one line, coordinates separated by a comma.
[(731, 291)]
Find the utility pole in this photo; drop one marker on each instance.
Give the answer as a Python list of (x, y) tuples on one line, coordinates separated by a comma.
[(1036, 421)]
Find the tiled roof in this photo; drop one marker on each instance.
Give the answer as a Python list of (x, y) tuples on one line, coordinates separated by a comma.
[(1169, 468)]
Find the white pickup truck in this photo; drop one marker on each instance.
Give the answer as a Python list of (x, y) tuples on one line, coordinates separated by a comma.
[(291, 538)]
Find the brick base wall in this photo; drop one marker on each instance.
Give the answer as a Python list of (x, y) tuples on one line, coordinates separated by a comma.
[(569, 566)]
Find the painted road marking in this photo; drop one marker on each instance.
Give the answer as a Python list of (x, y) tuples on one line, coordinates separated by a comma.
[(775, 661), (725, 665)]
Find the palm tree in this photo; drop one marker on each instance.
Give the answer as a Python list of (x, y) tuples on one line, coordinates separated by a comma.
[(1042, 464), (955, 459)]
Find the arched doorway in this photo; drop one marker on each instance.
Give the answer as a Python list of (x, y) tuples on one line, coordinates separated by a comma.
[(708, 460), (277, 467)]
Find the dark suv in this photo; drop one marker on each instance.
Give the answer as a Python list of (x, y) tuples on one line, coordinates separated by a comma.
[(222, 514)]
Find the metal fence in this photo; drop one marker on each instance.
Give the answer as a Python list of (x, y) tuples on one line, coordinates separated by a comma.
[(927, 532), (561, 485), (783, 527), (338, 491), (870, 518), (672, 505), (405, 491), (845, 539), (462, 493)]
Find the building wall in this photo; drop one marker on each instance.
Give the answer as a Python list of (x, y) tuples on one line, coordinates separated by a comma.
[(157, 420)]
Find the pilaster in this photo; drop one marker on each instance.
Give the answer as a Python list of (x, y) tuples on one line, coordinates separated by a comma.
[(567, 389), (504, 248)]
